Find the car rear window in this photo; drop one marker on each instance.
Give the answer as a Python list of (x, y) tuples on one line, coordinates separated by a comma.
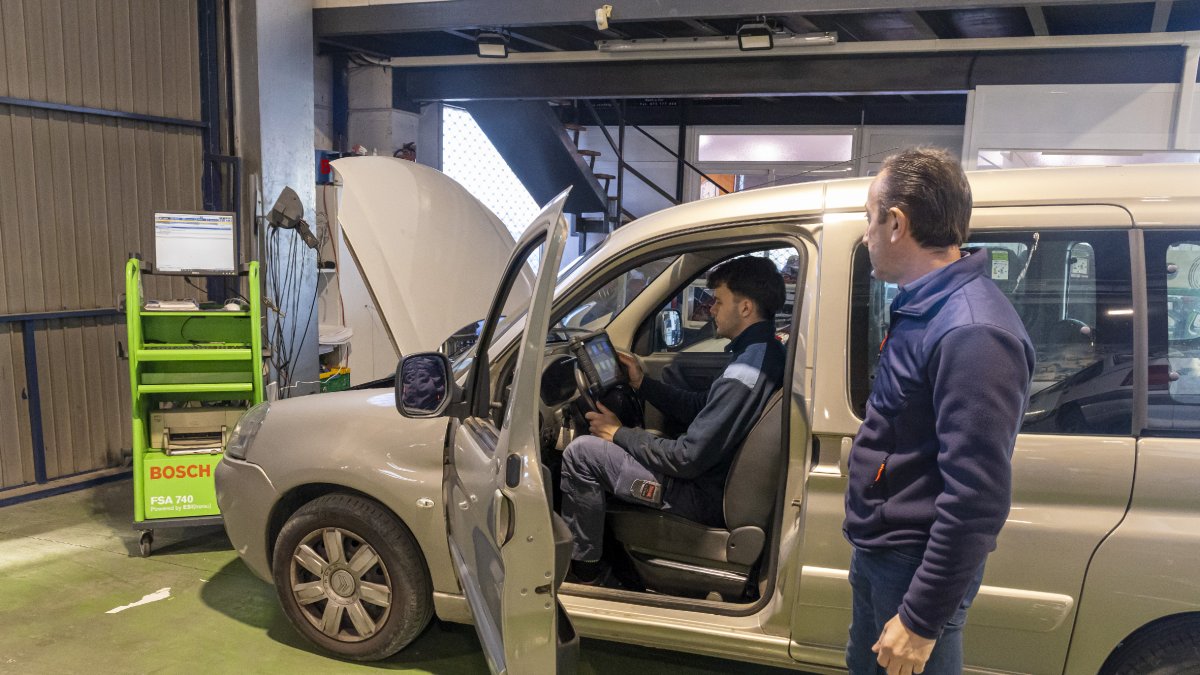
[(1173, 291), (1072, 290)]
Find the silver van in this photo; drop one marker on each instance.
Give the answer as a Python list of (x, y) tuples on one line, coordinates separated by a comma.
[(368, 521)]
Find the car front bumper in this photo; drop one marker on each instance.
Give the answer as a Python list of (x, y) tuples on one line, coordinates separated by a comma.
[(245, 496)]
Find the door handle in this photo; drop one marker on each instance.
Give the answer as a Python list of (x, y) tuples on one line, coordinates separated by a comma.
[(844, 455), (502, 513)]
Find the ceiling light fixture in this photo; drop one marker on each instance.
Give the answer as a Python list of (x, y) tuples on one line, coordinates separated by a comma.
[(754, 37), (491, 45), (784, 40)]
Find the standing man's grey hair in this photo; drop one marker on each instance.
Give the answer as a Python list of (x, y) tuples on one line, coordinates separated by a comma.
[(930, 187)]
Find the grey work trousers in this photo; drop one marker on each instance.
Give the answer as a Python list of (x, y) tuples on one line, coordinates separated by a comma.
[(593, 469)]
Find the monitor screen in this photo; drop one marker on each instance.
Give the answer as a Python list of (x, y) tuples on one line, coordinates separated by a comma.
[(604, 359), (194, 243)]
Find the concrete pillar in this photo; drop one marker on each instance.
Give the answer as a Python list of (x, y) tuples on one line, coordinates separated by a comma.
[(374, 123), (273, 42), (323, 102)]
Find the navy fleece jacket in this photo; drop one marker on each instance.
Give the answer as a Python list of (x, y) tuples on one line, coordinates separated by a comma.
[(949, 395), (720, 418)]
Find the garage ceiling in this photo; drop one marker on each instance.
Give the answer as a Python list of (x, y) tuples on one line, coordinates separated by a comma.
[(910, 61), (449, 28)]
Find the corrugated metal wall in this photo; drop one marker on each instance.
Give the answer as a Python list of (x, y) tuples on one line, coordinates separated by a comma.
[(77, 195)]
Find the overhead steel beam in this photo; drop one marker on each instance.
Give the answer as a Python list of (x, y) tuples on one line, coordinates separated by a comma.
[(536, 43), (818, 76), (373, 16), (841, 49), (701, 27), (1162, 16), (807, 110), (1037, 19), (921, 28)]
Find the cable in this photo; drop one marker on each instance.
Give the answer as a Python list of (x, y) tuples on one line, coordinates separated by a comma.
[(193, 285)]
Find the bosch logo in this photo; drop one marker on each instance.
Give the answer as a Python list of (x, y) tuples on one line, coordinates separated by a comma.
[(189, 471)]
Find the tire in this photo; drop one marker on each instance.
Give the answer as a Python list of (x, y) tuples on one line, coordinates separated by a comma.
[(1169, 648), (365, 610)]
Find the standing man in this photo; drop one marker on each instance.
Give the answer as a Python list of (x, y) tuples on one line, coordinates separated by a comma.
[(930, 470), (685, 475)]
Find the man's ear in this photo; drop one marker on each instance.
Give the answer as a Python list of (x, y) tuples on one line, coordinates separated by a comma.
[(899, 225)]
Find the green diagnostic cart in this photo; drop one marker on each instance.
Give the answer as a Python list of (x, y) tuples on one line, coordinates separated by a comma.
[(191, 373)]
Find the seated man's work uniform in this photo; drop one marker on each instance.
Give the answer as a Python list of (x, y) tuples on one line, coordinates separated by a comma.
[(685, 476)]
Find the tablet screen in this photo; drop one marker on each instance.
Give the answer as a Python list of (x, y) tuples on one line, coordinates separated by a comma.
[(604, 358)]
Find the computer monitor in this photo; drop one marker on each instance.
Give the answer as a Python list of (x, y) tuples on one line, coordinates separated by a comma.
[(197, 242)]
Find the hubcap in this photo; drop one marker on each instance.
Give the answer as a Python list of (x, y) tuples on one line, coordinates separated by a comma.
[(340, 584)]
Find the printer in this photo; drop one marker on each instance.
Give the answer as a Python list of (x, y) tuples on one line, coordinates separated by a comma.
[(192, 431)]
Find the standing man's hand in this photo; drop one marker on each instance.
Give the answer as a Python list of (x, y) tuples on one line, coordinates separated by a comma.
[(632, 369), (603, 424), (900, 650)]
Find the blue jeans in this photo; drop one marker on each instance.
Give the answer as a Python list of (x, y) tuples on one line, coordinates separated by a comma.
[(880, 578)]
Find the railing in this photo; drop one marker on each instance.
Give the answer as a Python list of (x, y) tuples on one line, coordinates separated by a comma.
[(618, 146)]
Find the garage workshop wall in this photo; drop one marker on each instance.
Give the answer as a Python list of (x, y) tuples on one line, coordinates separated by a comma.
[(77, 195)]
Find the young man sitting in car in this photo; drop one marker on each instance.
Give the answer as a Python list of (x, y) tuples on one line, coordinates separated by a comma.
[(686, 475)]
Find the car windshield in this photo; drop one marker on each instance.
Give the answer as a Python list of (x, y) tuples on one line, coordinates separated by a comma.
[(596, 310)]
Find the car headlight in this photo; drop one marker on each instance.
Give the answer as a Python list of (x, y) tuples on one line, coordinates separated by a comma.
[(245, 430)]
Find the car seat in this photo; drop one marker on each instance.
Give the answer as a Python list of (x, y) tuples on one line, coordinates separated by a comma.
[(678, 556)]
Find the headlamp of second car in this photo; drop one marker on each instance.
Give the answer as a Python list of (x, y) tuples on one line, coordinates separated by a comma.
[(245, 430)]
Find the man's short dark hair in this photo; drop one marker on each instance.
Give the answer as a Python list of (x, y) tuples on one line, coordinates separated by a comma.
[(929, 186), (752, 277)]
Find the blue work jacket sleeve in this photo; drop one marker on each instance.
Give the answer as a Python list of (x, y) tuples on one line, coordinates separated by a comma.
[(682, 404), (979, 404), (719, 425)]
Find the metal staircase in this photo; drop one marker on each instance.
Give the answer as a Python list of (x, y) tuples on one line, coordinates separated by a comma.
[(543, 151)]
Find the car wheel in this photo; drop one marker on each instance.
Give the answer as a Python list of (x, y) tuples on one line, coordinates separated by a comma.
[(1171, 648), (351, 578)]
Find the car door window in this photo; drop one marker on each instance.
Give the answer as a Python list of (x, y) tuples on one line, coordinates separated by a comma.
[(695, 300), (514, 300), (1072, 291), (1173, 290)]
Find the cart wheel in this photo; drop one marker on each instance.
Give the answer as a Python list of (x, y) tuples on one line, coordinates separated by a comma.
[(144, 543)]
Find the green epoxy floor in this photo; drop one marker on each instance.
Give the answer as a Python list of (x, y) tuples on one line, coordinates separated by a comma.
[(65, 561)]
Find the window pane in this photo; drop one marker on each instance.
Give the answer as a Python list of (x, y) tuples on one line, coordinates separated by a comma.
[(1072, 291), (470, 158), (775, 148), (695, 300), (1173, 276), (516, 298)]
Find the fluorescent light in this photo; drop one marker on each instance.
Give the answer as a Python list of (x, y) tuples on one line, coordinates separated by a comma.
[(780, 41), (754, 37), (492, 46), (1120, 312)]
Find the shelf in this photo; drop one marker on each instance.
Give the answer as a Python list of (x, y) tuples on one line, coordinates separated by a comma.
[(194, 312), (194, 354), (195, 388)]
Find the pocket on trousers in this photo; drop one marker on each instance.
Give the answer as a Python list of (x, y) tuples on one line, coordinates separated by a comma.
[(904, 556)]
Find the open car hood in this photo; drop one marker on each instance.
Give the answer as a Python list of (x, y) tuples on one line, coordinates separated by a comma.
[(430, 254)]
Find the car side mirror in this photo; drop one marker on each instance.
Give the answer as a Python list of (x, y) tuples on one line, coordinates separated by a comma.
[(670, 327), (423, 385)]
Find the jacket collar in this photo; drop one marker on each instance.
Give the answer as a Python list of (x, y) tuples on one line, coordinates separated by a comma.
[(926, 294), (754, 333)]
